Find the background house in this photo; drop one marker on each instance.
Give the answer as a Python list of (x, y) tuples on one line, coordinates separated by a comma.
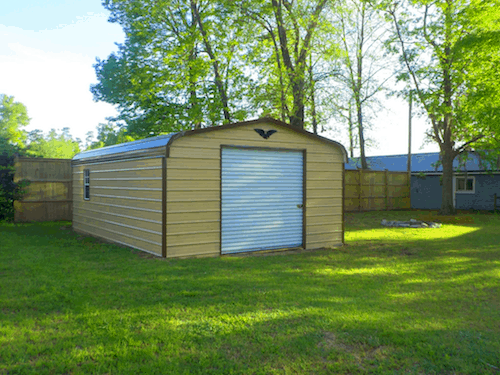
[(475, 183)]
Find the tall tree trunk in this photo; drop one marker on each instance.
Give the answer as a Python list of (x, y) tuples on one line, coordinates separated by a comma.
[(313, 98), (283, 106), (408, 161), (351, 132), (447, 156), (193, 98), (448, 152), (359, 85), (359, 111), (296, 73), (297, 116), (215, 63)]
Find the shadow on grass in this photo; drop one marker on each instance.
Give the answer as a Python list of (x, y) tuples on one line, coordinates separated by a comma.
[(73, 304)]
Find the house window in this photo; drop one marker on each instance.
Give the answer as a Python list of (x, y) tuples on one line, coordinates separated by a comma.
[(465, 185), (86, 184)]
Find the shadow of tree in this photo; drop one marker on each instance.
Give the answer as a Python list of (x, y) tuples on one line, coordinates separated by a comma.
[(73, 304)]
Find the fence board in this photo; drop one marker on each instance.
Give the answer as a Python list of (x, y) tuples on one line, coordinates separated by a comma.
[(49, 196), (376, 190), (50, 193)]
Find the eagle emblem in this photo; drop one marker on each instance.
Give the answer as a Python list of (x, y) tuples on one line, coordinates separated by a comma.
[(265, 134)]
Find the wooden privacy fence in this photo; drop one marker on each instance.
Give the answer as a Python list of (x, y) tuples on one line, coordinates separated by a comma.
[(367, 190), (49, 196)]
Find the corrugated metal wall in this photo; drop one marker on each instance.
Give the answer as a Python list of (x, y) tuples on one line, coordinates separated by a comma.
[(262, 199), (125, 203)]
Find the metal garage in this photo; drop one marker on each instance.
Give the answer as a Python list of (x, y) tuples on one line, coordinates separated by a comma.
[(249, 186)]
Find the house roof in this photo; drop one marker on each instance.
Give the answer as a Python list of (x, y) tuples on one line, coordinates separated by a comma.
[(167, 139), (425, 163)]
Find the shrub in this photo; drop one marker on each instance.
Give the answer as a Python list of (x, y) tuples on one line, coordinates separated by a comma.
[(9, 190)]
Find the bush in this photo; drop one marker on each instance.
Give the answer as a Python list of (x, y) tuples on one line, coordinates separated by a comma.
[(9, 190)]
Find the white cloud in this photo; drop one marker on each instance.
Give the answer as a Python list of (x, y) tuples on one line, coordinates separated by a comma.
[(51, 71)]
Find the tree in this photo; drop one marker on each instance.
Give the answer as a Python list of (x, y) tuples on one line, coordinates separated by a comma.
[(176, 68), (53, 145), (291, 26), (13, 117), (450, 49), (108, 135), (362, 33), (10, 191)]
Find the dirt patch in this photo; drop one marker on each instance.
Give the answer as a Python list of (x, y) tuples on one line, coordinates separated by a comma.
[(331, 341), (360, 351)]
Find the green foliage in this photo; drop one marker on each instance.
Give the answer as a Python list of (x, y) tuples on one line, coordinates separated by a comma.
[(452, 63), (108, 135), (450, 50), (13, 117), (9, 190), (394, 301), (53, 145), (237, 59), (162, 79)]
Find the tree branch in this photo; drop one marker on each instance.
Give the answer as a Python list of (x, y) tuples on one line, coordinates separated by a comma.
[(464, 146)]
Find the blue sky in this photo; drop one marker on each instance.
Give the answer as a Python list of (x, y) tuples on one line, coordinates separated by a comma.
[(47, 49)]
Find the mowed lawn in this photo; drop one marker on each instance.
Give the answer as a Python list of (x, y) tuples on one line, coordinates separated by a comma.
[(393, 301)]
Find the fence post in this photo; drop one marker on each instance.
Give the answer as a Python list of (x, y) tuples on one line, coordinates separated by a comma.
[(386, 190), (495, 202), (359, 188)]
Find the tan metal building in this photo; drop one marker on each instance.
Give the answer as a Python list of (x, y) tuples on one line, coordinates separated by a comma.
[(249, 186)]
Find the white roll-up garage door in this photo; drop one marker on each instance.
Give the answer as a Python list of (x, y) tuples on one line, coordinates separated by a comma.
[(262, 199)]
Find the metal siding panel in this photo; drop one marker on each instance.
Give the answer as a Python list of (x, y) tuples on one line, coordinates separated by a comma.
[(123, 211), (261, 194)]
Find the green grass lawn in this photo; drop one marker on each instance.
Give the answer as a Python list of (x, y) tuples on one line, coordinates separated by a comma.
[(396, 301)]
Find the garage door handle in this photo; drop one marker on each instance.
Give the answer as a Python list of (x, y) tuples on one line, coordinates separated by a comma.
[(300, 206)]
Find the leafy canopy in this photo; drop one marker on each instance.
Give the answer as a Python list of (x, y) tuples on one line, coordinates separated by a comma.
[(13, 118), (53, 145)]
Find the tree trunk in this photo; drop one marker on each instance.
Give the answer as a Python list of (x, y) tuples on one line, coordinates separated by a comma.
[(283, 107), (448, 152), (364, 164), (297, 116), (351, 132), (313, 99), (193, 98), (296, 73), (447, 206), (215, 63), (358, 87)]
